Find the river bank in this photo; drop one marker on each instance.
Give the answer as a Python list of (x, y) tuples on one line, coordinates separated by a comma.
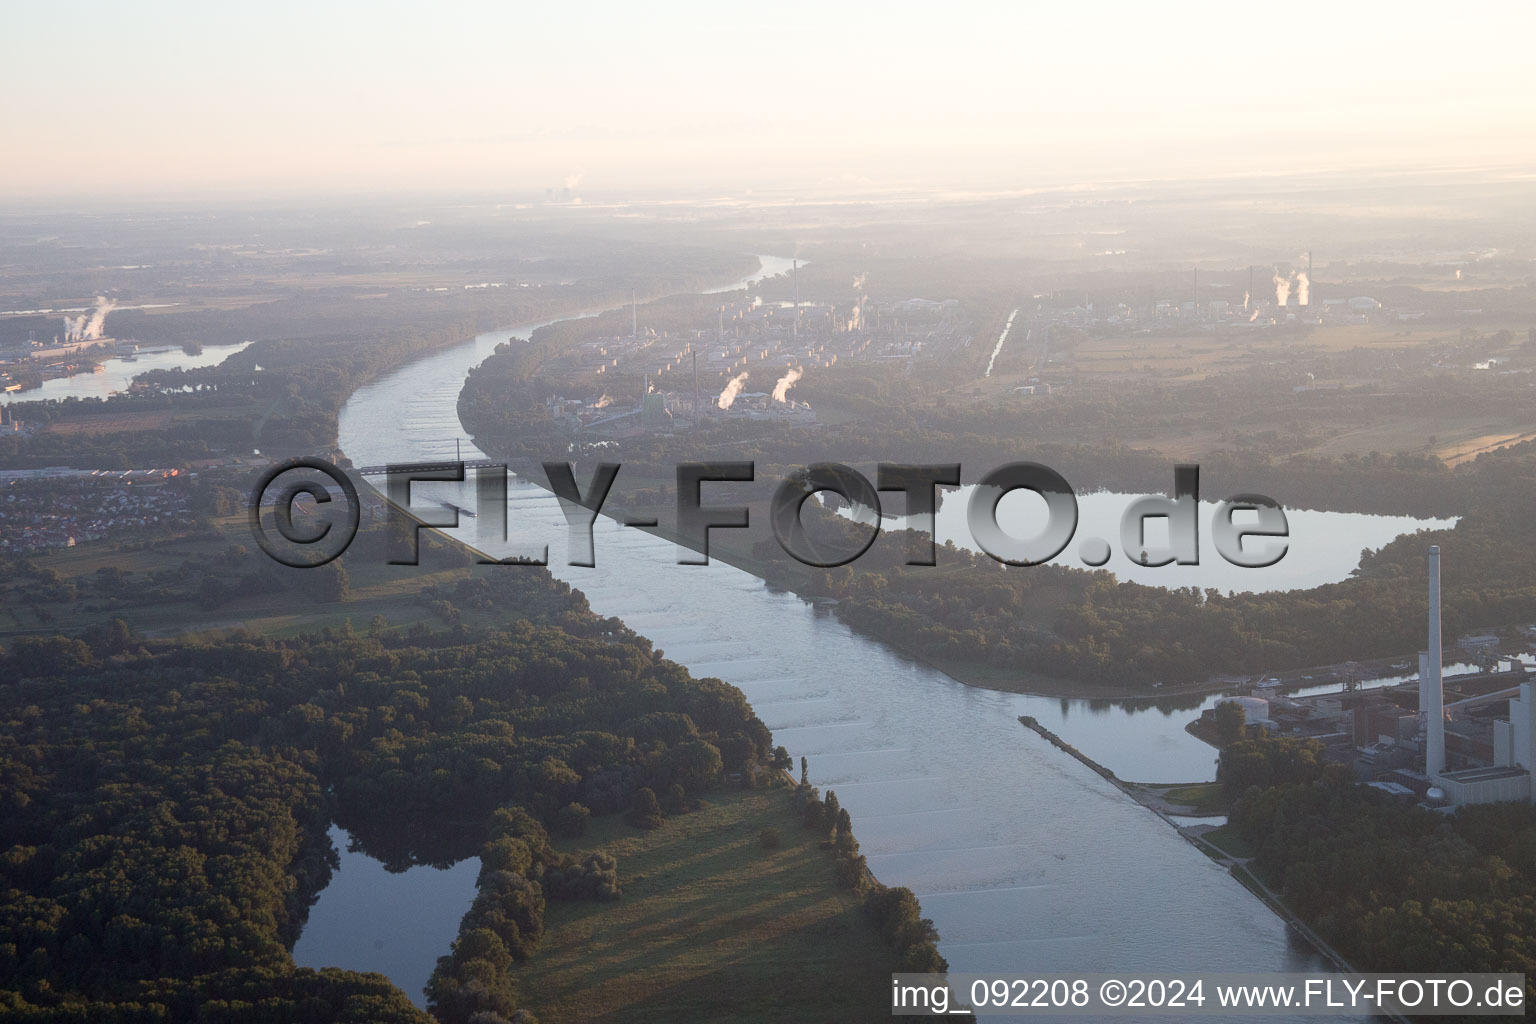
[(1153, 798), (945, 792)]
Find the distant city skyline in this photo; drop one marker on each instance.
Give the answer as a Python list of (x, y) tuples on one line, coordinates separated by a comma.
[(177, 98)]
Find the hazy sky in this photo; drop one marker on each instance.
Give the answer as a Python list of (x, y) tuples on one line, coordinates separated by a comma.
[(177, 97)]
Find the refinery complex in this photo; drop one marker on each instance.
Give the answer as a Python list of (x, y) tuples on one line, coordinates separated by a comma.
[(746, 363)]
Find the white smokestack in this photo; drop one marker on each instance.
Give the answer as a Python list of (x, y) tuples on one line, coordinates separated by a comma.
[(1431, 689), (731, 391), (781, 389)]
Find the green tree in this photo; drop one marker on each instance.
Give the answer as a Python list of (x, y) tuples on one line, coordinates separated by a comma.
[(1229, 721), (644, 810)]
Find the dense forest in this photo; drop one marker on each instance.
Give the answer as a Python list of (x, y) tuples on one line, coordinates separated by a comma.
[(1392, 886), (167, 801)]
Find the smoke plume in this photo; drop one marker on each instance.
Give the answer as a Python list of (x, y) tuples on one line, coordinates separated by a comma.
[(1296, 279), (88, 328), (731, 391), (99, 317), (781, 389)]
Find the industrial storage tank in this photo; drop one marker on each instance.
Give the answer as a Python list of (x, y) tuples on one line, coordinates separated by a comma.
[(1255, 709)]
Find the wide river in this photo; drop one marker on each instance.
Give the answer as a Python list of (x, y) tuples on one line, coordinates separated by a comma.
[(1025, 859)]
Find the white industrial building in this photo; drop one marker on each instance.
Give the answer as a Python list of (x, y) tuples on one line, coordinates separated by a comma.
[(1255, 710)]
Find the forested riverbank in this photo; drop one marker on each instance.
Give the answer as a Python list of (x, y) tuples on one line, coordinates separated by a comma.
[(171, 797), (1392, 886), (156, 786)]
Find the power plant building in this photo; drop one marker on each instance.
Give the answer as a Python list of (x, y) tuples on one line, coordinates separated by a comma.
[(1509, 777)]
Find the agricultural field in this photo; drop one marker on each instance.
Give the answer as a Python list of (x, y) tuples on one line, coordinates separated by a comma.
[(712, 926)]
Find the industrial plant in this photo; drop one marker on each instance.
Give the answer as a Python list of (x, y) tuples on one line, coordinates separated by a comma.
[(746, 363), (1405, 736), (34, 360)]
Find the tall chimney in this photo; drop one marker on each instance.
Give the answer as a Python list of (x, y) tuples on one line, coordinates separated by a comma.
[(1431, 690), (796, 328), (1310, 285), (696, 383), (634, 316)]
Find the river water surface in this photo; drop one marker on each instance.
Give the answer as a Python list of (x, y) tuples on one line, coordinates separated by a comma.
[(1026, 860), (117, 373)]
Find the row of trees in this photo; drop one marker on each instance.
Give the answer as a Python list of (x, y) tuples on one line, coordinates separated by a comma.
[(895, 912), (519, 872)]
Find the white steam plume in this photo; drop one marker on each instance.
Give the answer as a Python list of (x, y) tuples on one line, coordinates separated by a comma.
[(856, 318), (98, 319), (781, 389), (1282, 288), (731, 391), (88, 328)]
